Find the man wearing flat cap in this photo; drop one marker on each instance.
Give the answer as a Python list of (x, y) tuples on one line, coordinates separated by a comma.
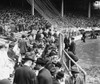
[(44, 75), (24, 74), (76, 78)]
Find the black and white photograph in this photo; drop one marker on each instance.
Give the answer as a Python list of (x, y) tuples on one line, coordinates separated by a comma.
[(49, 41)]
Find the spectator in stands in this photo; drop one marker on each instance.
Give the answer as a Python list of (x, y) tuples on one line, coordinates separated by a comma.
[(22, 45), (58, 78), (44, 76), (58, 66), (55, 34), (12, 37), (38, 36), (11, 53), (45, 33), (51, 67), (24, 74), (49, 33)]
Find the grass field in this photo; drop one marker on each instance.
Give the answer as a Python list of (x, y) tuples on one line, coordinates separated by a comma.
[(89, 59)]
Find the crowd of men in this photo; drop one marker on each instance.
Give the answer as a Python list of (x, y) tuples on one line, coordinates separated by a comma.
[(36, 58), (35, 53)]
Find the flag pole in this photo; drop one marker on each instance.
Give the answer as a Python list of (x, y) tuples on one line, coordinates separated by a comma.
[(32, 7), (62, 8)]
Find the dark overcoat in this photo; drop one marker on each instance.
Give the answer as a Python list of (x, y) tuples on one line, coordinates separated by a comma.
[(72, 47), (23, 46), (24, 75), (44, 77)]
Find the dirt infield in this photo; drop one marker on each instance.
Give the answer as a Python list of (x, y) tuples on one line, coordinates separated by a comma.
[(89, 59)]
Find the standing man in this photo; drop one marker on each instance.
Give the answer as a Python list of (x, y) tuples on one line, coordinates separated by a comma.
[(44, 75), (66, 42), (24, 74), (22, 45), (72, 46)]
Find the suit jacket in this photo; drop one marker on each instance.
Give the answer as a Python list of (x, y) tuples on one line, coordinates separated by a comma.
[(24, 75), (72, 47), (66, 41), (44, 77)]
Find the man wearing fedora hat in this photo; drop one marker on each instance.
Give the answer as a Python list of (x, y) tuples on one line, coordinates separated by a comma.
[(44, 75), (24, 74)]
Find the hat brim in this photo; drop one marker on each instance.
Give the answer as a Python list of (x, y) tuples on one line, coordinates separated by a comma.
[(74, 71), (40, 62), (28, 59)]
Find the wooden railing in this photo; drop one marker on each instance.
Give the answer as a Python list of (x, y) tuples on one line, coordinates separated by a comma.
[(78, 66), (62, 52)]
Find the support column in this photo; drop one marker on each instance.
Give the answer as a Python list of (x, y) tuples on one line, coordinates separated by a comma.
[(61, 46), (62, 8), (89, 10), (32, 7)]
